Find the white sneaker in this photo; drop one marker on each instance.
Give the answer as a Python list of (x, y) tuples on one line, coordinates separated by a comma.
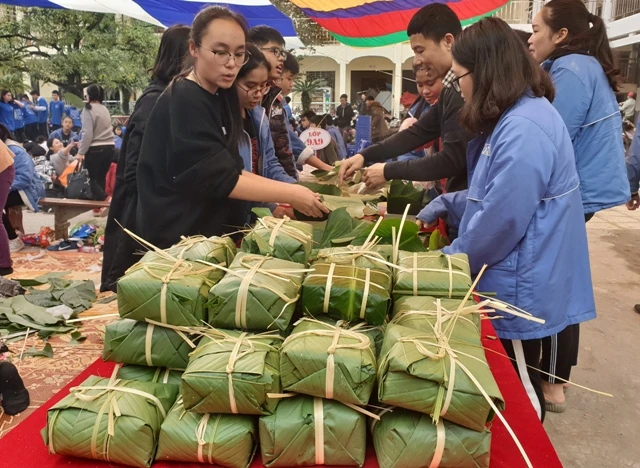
[(16, 245)]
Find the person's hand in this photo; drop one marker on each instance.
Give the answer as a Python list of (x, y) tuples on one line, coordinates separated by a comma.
[(349, 167), (423, 225), (281, 211), (407, 123), (634, 203), (374, 176), (307, 202), (79, 157)]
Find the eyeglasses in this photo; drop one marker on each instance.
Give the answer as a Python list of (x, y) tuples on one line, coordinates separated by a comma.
[(456, 82), (277, 52), (255, 92), (223, 57)]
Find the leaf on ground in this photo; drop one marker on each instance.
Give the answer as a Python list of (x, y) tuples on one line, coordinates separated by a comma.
[(40, 280), (47, 351), (108, 299), (77, 338)]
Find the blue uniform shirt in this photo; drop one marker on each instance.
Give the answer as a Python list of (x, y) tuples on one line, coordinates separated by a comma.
[(6, 116), (57, 109), (44, 114), (74, 114)]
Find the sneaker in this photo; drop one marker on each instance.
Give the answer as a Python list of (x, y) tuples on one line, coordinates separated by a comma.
[(6, 271), (16, 245), (64, 245)]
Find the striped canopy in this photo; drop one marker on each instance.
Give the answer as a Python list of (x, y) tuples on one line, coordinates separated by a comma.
[(170, 12), (371, 23)]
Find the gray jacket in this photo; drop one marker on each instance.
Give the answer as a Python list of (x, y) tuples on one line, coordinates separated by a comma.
[(96, 128)]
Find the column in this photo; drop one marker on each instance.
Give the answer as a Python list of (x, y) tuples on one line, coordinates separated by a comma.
[(397, 79), (536, 7), (342, 82), (607, 10)]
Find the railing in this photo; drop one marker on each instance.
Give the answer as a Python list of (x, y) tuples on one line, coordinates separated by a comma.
[(624, 8), (516, 12), (629, 70)]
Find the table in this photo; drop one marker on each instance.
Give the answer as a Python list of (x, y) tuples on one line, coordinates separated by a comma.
[(23, 446)]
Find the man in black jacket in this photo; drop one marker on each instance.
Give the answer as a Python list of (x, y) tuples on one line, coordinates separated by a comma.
[(344, 114), (432, 32)]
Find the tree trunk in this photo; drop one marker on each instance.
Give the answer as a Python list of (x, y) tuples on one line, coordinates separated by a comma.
[(306, 101), (125, 99)]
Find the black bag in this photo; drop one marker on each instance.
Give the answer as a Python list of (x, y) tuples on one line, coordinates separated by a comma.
[(78, 184)]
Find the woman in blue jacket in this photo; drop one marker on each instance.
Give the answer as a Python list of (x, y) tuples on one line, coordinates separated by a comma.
[(522, 212), (256, 146), (572, 45), (26, 188)]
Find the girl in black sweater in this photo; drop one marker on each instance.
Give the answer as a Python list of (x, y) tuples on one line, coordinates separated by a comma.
[(190, 175)]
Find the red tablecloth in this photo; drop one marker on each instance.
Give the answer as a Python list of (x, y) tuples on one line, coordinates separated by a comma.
[(23, 446)]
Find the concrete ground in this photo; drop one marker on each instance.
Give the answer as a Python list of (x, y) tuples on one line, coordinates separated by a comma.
[(595, 431)]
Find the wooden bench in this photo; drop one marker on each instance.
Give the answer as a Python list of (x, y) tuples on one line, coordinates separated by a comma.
[(66, 208)]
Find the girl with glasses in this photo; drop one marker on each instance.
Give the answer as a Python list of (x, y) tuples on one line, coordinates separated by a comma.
[(522, 214), (256, 146), (191, 176)]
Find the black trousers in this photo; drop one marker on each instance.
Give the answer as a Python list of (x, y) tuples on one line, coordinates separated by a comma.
[(19, 134), (31, 131), (560, 353), (97, 161), (527, 353), (43, 129)]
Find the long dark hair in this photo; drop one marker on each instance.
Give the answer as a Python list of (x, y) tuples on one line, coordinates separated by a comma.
[(229, 97), (174, 48), (575, 18), (256, 59), (94, 93), (3, 93), (502, 70)]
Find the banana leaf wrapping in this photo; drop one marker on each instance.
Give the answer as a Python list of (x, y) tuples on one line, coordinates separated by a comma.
[(307, 431), (170, 291), (110, 419), (420, 313), (232, 372), (432, 274), (259, 294), (216, 250), (228, 440), (160, 375), (147, 344), (406, 439), (374, 258), (416, 371), (346, 293), (280, 238), (329, 361)]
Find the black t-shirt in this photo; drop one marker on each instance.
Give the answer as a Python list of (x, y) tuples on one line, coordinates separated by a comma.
[(186, 172), (250, 128)]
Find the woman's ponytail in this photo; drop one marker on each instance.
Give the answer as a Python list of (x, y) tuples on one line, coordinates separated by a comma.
[(586, 32)]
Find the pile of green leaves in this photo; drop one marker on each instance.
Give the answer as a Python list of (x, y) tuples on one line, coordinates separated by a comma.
[(402, 194), (341, 229), (322, 189), (20, 313)]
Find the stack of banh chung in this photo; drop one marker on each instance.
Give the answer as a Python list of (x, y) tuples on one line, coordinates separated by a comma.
[(289, 350)]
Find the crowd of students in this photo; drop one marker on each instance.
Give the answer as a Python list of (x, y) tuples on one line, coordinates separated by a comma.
[(527, 138)]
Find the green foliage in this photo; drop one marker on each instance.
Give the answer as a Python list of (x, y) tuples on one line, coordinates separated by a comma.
[(409, 240), (402, 194), (306, 88), (73, 49)]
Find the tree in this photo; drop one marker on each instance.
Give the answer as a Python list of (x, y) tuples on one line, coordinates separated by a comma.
[(306, 88), (73, 49), (309, 32)]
